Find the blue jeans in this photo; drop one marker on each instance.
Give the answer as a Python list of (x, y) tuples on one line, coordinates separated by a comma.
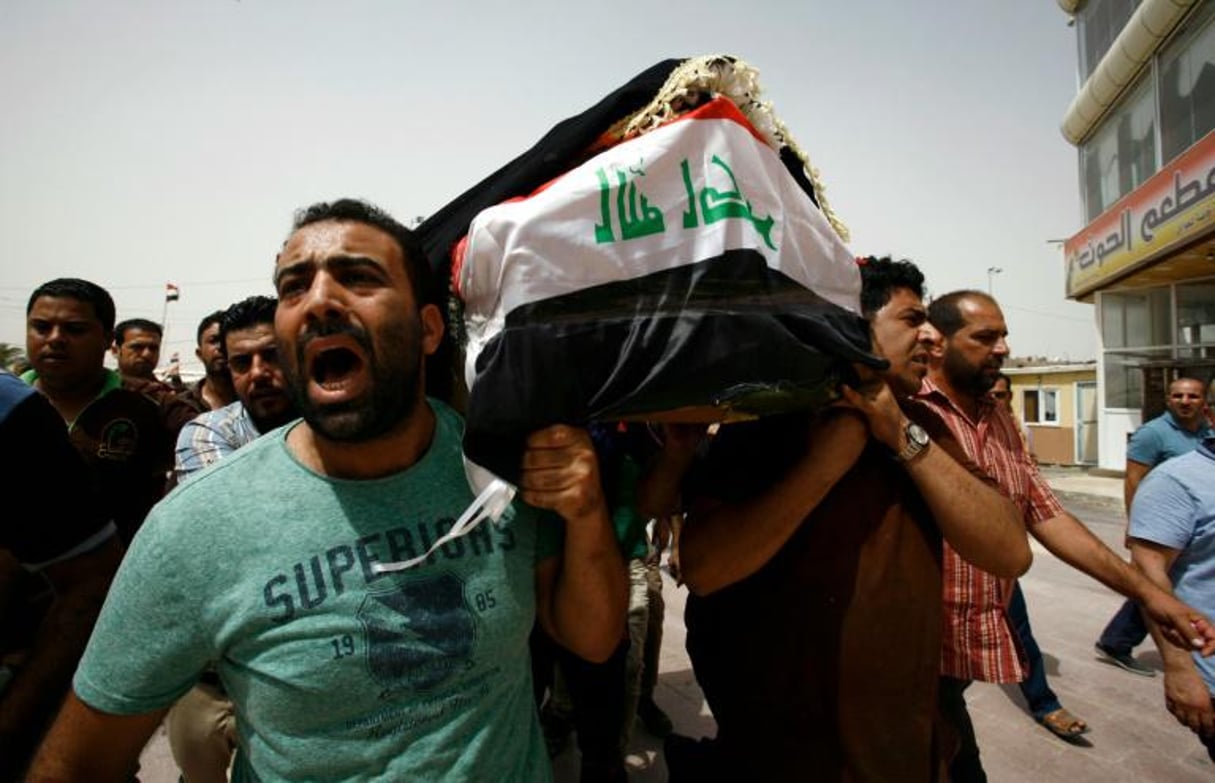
[(1126, 630), (1041, 699)]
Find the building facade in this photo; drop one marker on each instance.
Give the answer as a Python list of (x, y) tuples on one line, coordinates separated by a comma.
[(1057, 403), (1143, 122)]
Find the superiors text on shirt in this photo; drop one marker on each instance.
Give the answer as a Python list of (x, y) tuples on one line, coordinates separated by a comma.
[(307, 584)]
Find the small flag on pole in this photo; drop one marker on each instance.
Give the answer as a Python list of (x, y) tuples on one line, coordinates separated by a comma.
[(172, 293)]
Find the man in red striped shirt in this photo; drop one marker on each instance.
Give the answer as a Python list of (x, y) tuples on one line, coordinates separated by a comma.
[(978, 642)]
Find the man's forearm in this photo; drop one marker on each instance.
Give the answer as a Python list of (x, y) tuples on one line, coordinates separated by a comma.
[(1068, 539), (1183, 627), (981, 525), (1186, 693), (727, 543), (86, 744), (1135, 471), (658, 490), (592, 583), (30, 700)]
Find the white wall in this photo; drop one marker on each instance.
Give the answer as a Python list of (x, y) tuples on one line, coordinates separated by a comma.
[(1115, 425)]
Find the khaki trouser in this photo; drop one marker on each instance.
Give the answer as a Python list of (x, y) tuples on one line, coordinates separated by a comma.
[(202, 734), (645, 616)]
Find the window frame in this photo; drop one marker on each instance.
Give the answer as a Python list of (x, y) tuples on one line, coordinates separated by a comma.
[(1041, 393)]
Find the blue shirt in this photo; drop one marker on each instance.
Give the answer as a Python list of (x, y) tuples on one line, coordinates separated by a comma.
[(212, 436), (1164, 438), (1175, 507)]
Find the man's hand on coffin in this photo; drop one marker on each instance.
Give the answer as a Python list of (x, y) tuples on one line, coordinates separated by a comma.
[(658, 491), (561, 473), (875, 401), (680, 442)]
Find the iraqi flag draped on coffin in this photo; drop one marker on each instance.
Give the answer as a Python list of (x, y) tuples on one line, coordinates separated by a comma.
[(663, 256)]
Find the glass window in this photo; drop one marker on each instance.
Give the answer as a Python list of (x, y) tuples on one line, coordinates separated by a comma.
[(1196, 314), (1099, 168), (1124, 375), (1136, 319), (1100, 22), (1041, 406), (1030, 405), (1187, 84), (1121, 155)]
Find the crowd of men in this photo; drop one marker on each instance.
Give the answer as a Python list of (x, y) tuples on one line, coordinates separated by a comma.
[(852, 569)]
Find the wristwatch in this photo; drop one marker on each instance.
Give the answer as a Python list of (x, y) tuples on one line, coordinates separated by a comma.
[(917, 441)]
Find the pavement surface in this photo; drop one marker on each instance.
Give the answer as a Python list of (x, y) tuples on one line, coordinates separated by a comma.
[(1133, 738)]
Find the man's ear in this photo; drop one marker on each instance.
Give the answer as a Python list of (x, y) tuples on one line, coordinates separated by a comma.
[(432, 328)]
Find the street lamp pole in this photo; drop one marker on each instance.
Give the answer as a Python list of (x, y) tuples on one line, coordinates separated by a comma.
[(991, 272)]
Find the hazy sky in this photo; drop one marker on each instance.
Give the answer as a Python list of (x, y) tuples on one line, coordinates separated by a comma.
[(170, 141)]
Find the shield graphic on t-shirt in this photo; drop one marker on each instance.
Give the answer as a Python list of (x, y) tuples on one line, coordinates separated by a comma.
[(419, 633)]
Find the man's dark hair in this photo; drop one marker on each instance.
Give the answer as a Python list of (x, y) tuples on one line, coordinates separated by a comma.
[(1002, 377), (246, 313), (142, 324), (81, 291), (417, 267), (205, 324), (881, 276), (945, 312)]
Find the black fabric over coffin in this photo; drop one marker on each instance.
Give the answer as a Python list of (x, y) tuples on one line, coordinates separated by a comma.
[(727, 329), (560, 150)]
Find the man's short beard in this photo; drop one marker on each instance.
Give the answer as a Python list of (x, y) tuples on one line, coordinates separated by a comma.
[(266, 423), (966, 378), (393, 387)]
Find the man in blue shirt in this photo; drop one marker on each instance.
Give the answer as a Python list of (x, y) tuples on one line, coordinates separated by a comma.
[(1177, 431), (248, 345), (1173, 543)]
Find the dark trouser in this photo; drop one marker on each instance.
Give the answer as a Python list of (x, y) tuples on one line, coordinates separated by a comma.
[(597, 693), (966, 767), (1041, 699), (1126, 630)]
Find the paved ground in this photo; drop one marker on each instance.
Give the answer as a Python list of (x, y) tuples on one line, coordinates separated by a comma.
[(1133, 738)]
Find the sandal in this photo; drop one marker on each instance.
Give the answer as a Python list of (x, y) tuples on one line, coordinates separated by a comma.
[(1063, 724)]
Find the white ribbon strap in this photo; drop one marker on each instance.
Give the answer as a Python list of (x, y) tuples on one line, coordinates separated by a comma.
[(491, 504)]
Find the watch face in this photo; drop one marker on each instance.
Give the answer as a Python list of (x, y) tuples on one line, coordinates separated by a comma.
[(916, 434)]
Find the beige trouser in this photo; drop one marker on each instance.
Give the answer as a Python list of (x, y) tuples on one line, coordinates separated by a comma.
[(202, 734)]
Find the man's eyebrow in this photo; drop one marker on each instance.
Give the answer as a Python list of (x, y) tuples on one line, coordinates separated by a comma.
[(334, 262), (65, 321)]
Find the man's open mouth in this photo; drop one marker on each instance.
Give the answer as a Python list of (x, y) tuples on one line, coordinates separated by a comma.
[(335, 368)]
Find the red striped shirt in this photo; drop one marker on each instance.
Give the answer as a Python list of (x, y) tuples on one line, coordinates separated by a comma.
[(977, 641)]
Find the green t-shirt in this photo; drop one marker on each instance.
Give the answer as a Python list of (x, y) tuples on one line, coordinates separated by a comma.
[(628, 524), (262, 568)]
